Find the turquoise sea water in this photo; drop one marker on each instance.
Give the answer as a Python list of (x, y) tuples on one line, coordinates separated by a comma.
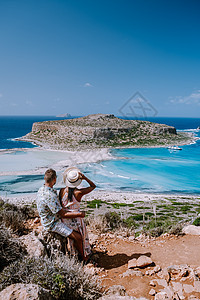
[(152, 170)]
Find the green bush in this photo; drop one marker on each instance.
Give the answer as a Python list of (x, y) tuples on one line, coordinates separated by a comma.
[(64, 278), (130, 222), (113, 220), (197, 222), (156, 228), (96, 203)]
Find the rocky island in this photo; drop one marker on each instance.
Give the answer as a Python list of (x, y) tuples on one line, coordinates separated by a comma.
[(103, 131)]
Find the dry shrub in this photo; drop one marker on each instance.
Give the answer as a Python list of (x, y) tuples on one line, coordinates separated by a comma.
[(64, 278), (109, 221), (10, 249), (155, 229), (97, 223), (15, 217), (14, 220)]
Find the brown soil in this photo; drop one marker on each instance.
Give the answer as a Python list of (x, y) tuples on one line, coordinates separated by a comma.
[(114, 252), (164, 251)]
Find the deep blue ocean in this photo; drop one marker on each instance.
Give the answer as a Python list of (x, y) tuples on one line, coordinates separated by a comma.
[(16, 126), (142, 170)]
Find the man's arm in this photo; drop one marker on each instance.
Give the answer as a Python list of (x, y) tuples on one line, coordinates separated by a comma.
[(70, 214)]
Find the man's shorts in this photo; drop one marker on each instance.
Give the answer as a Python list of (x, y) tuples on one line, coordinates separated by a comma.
[(62, 229)]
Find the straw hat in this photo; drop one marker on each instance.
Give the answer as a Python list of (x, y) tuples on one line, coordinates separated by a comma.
[(71, 177)]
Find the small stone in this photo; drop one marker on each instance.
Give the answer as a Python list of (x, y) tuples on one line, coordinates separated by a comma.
[(132, 263), (151, 272), (184, 273), (144, 261), (152, 292), (162, 282), (152, 283), (164, 274), (192, 230), (131, 238), (197, 271), (120, 237), (37, 220), (174, 269), (118, 290), (131, 272), (147, 273), (157, 269), (161, 296)]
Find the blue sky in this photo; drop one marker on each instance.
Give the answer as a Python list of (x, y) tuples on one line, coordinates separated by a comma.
[(82, 57)]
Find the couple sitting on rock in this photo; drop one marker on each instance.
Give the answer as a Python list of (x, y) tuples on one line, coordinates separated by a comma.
[(61, 214)]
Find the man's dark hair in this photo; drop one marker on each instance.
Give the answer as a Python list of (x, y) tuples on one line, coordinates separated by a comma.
[(50, 175)]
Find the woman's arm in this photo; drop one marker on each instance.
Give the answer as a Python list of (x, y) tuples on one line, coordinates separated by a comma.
[(79, 193), (70, 214)]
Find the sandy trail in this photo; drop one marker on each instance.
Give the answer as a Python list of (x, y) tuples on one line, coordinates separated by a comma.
[(164, 251)]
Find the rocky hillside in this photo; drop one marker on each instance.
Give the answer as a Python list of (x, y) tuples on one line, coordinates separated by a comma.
[(101, 130)]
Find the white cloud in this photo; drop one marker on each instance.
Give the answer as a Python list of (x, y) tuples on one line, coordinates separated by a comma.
[(193, 98), (87, 84)]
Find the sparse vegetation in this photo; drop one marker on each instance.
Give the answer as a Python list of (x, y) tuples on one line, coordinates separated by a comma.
[(10, 248), (97, 131), (167, 217), (15, 217), (65, 278), (159, 227), (197, 222)]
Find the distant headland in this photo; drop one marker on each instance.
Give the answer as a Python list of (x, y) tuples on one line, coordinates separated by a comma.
[(64, 116), (103, 131)]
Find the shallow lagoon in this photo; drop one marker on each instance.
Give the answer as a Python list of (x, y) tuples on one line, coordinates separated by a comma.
[(152, 170), (147, 170)]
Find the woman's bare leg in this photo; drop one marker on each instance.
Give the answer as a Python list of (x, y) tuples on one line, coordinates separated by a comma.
[(78, 242)]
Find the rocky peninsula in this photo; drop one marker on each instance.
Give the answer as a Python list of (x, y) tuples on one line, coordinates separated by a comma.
[(103, 131)]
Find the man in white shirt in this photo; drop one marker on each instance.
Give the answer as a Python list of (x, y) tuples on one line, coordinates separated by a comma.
[(51, 212)]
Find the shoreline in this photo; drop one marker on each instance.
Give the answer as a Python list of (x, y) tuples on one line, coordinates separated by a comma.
[(79, 157), (111, 197), (191, 139), (89, 156)]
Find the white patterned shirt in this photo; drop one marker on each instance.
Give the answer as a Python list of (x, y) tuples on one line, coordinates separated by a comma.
[(48, 206)]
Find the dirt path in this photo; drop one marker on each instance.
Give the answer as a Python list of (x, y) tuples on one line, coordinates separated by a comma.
[(164, 251)]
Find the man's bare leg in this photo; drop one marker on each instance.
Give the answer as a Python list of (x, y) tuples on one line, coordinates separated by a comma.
[(78, 242)]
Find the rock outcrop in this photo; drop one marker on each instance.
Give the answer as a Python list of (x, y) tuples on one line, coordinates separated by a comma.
[(25, 291), (96, 131)]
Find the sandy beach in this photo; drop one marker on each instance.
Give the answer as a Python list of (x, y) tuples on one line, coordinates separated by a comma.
[(71, 158), (35, 161)]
